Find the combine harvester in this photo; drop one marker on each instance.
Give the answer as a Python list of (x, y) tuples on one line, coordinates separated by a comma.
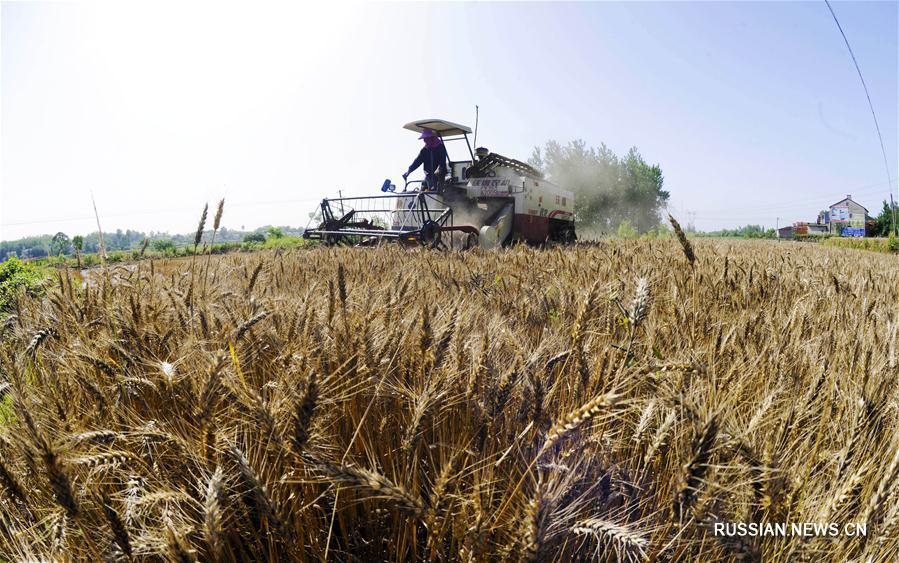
[(488, 200)]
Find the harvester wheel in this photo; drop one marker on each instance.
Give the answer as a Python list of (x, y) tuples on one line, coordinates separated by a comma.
[(430, 234)]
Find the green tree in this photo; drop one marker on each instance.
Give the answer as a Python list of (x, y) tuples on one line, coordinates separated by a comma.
[(883, 223), (18, 278), (164, 246), (608, 190), (78, 245), (748, 231), (275, 232), (254, 237), (626, 231), (59, 244), (117, 240)]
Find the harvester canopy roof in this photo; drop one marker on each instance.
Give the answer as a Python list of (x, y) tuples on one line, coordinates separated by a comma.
[(439, 126)]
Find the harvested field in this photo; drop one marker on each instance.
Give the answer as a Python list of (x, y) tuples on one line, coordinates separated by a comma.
[(607, 401)]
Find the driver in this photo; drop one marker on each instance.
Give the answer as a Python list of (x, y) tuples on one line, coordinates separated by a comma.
[(433, 158)]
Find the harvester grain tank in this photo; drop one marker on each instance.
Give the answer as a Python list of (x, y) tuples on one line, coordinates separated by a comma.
[(486, 199)]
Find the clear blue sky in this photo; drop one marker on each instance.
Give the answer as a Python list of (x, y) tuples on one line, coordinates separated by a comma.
[(753, 109)]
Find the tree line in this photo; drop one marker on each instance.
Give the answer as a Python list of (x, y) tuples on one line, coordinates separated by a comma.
[(881, 228), (609, 190), (61, 243), (883, 223), (747, 231)]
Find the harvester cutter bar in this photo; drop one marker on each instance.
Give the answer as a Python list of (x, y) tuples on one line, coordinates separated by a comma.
[(413, 221)]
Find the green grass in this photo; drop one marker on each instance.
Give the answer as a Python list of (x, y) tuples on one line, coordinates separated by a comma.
[(88, 260), (286, 243), (19, 278), (887, 245), (7, 414)]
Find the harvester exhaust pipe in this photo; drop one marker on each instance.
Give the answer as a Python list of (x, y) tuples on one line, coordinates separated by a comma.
[(497, 231)]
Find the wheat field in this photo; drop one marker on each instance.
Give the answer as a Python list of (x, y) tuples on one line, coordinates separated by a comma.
[(609, 401)]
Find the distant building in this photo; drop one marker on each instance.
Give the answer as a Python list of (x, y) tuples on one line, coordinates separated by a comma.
[(846, 213), (846, 218)]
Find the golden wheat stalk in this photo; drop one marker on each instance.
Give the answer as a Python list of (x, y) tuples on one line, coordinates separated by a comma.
[(695, 469), (682, 238), (376, 484), (304, 412), (119, 531), (212, 513), (576, 418), (622, 537)]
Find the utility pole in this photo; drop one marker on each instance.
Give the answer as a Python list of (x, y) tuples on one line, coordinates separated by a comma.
[(777, 224), (893, 209)]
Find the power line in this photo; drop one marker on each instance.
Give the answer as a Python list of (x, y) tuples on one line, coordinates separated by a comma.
[(870, 105)]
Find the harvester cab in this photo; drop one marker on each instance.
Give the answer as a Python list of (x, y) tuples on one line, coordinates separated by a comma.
[(452, 134), (485, 200)]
